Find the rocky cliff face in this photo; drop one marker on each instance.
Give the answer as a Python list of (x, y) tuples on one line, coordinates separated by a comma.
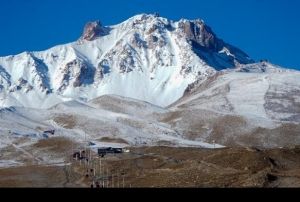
[(209, 47), (199, 33), (92, 30)]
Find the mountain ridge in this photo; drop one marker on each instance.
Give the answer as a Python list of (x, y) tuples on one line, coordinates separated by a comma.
[(160, 56)]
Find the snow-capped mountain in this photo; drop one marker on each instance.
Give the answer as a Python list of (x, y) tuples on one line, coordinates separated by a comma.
[(149, 81), (147, 57)]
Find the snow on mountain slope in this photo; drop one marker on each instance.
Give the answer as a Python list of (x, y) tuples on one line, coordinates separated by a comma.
[(253, 105), (249, 91), (101, 121), (95, 121), (133, 107), (147, 57)]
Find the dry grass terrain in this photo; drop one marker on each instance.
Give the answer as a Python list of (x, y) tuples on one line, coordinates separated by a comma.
[(169, 167), (67, 121)]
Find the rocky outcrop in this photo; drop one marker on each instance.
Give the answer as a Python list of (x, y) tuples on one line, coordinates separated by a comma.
[(199, 33), (4, 78), (92, 30), (207, 46), (21, 84), (137, 41), (76, 73), (41, 78)]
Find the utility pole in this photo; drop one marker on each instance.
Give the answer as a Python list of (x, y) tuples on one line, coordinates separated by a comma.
[(107, 177), (118, 179), (123, 181), (85, 150), (94, 168), (100, 168), (72, 148), (103, 177), (112, 180)]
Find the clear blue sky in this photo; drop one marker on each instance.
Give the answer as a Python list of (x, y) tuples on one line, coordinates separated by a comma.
[(262, 28)]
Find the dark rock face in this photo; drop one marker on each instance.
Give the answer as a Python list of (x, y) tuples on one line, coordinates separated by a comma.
[(78, 73), (200, 33), (4, 77), (137, 41), (42, 72), (92, 30), (103, 68), (209, 47), (21, 84)]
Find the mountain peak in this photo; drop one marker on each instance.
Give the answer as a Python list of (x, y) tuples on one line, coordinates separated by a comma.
[(92, 30), (199, 32), (161, 55), (146, 16)]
